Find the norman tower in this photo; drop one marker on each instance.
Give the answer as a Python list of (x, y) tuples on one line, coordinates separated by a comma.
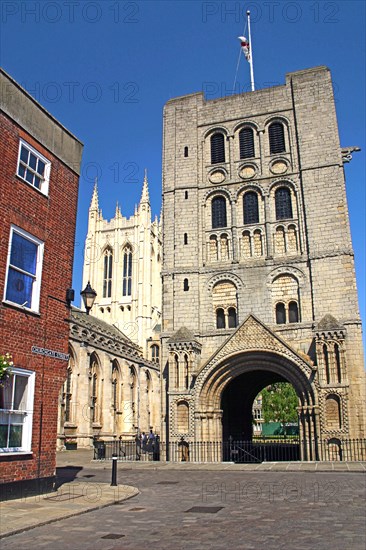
[(258, 272), (122, 261)]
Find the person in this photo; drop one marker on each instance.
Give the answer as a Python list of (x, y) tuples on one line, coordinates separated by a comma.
[(184, 449), (138, 445), (144, 441), (151, 442), (156, 454)]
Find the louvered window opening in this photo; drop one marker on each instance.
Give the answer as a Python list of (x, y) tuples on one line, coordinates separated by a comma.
[(219, 212), (276, 138), (250, 203), (283, 204), (217, 149), (246, 143)]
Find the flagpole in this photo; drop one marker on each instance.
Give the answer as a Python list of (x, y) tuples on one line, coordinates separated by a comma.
[(251, 54)]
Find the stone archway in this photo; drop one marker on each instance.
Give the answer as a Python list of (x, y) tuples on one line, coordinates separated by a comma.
[(257, 355)]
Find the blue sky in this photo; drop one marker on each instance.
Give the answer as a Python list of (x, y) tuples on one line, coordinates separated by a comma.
[(105, 70)]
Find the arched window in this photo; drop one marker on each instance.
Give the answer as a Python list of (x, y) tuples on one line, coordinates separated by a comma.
[(338, 363), (220, 318), (217, 148), (283, 203), (94, 383), (333, 412), (68, 395), (213, 250), (182, 417), (115, 378), (176, 368), (280, 314), (148, 396), (127, 271), (133, 394), (107, 274), (276, 138), (326, 362), (186, 371), (257, 243), (246, 143), (218, 210), (155, 353), (232, 317), (293, 312), (185, 285), (250, 205)]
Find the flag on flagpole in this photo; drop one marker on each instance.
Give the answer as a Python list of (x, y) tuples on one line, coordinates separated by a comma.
[(245, 46)]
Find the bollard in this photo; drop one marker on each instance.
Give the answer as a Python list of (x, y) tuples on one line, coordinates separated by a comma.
[(114, 470)]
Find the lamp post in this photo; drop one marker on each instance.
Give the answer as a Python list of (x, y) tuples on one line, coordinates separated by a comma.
[(88, 295)]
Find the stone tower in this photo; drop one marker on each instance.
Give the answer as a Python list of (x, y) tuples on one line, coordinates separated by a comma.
[(122, 261), (258, 271)]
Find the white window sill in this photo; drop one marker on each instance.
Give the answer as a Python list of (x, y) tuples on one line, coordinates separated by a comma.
[(31, 185), (14, 453), (21, 308)]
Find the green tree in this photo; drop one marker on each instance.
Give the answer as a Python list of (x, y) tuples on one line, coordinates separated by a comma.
[(279, 402)]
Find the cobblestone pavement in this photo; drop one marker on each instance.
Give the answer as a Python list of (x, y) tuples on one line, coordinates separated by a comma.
[(214, 510)]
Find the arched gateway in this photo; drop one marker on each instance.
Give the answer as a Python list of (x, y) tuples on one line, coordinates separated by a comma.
[(251, 359)]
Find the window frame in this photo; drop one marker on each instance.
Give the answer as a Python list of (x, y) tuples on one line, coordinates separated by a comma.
[(280, 207), (36, 286), (107, 272), (250, 209), (277, 144), (244, 146), (27, 413), (127, 271), (44, 187), (219, 212), (217, 148)]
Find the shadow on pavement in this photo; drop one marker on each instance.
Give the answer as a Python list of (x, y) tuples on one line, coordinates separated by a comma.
[(66, 474)]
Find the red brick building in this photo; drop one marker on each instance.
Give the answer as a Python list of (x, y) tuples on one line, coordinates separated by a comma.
[(39, 174)]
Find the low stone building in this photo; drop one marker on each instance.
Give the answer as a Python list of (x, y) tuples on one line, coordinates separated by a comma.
[(111, 390)]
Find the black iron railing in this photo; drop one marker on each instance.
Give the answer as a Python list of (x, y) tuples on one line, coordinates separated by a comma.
[(256, 451)]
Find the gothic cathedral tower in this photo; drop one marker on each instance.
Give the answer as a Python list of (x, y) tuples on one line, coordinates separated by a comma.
[(122, 261), (258, 270)]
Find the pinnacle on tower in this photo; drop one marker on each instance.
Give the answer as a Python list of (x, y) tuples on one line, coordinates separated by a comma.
[(118, 211), (145, 191), (94, 205)]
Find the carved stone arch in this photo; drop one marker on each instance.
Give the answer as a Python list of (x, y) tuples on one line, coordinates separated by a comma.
[(127, 244), (221, 277), (276, 118), (286, 270), (252, 186), (72, 353), (245, 124), (106, 247), (283, 182), (217, 192), (95, 359), (116, 365), (216, 129)]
